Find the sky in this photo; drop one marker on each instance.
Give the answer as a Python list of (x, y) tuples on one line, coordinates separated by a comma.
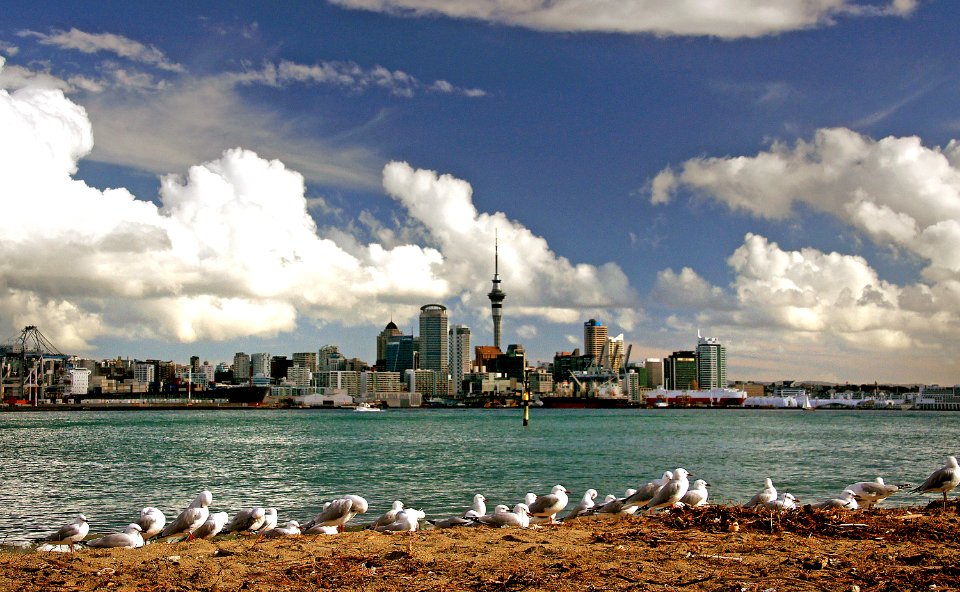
[(204, 178)]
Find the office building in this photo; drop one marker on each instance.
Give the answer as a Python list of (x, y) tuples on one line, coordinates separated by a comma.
[(711, 363), (680, 371), (595, 341), (459, 356), (434, 347)]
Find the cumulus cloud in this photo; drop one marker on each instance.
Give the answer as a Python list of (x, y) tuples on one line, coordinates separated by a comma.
[(14, 77), (230, 249), (724, 18), (109, 42), (895, 190), (538, 282)]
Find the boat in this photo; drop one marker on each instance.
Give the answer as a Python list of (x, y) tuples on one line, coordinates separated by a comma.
[(594, 390), (715, 397), (364, 407)]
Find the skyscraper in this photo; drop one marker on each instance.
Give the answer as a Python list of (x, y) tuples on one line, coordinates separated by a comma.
[(391, 330), (434, 339), (496, 297), (459, 356), (260, 363), (594, 340), (241, 367), (711, 363), (680, 370)]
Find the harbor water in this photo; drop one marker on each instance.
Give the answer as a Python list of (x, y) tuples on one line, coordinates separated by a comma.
[(110, 464)]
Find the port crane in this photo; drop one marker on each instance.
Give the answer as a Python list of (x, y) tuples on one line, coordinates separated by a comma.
[(27, 365)]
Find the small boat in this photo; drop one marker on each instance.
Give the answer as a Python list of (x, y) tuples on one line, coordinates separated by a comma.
[(365, 407)]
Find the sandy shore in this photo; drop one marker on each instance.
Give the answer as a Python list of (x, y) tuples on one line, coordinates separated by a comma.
[(715, 548)]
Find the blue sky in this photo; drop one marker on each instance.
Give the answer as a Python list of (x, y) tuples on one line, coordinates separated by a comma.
[(206, 178)]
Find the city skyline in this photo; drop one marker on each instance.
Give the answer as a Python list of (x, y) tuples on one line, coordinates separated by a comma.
[(203, 180)]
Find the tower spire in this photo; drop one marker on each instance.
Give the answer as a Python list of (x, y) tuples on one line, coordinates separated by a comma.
[(496, 295)]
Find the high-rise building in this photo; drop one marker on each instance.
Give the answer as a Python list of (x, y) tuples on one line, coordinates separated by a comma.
[(711, 363), (260, 364), (306, 360), (496, 297), (459, 356), (595, 340), (654, 368), (391, 330), (241, 367), (433, 339), (195, 363), (401, 353), (680, 370), (615, 353)]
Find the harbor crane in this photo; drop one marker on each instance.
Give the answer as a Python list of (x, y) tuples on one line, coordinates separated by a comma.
[(27, 364)]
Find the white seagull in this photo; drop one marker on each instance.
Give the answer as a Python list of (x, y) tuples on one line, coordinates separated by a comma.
[(672, 492), (291, 528), (130, 538), (338, 512), (212, 526), (586, 503), (696, 496), (151, 522), (845, 501), (405, 521), (248, 519), (642, 496), (616, 505), (269, 520), (873, 492), (478, 509), (943, 480), (389, 516), (545, 507), (192, 518), (69, 534), (763, 497), (503, 517), (782, 505)]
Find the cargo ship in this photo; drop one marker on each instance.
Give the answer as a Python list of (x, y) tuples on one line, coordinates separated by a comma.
[(716, 397), (592, 389)]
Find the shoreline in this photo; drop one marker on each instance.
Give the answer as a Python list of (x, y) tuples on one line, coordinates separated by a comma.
[(235, 406), (711, 548)]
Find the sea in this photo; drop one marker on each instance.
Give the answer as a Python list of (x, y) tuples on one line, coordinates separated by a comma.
[(110, 464)]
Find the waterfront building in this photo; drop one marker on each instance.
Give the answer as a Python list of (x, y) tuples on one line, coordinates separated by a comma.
[(711, 363), (144, 373), (279, 366), (79, 381), (512, 364), (348, 382), (459, 356), (208, 369), (260, 364), (241, 367), (944, 398), (391, 330), (680, 371), (566, 363), (595, 341), (306, 360), (195, 363), (540, 381), (375, 385), (615, 353), (434, 347), (632, 387), (486, 357), (496, 297), (401, 353), (654, 368), (299, 376), (428, 383)]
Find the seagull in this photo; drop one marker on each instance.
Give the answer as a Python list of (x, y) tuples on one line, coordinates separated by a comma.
[(269, 520), (455, 521), (616, 505), (190, 519), (151, 522), (212, 526), (388, 516), (291, 528), (787, 503), (130, 538), (642, 496), (69, 534), (765, 496), (479, 507), (943, 480), (503, 517), (586, 503), (545, 507), (248, 519), (846, 501), (405, 521), (338, 512), (873, 492), (670, 493), (696, 496)]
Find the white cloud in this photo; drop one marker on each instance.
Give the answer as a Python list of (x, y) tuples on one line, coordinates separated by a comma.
[(14, 77), (347, 75), (231, 250), (7, 48), (108, 42), (527, 331), (687, 290), (895, 190), (722, 18)]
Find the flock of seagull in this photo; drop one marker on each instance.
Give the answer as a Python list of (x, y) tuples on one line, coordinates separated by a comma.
[(671, 489)]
